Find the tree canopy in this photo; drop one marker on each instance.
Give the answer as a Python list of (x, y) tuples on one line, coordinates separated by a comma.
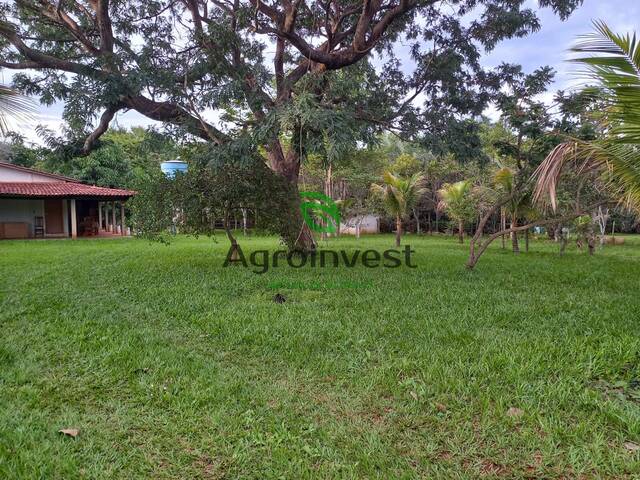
[(176, 60)]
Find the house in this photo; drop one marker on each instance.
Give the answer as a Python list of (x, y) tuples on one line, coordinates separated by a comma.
[(38, 204)]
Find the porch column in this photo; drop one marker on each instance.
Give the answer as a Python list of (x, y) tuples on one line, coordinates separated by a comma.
[(74, 219), (113, 217), (122, 221), (99, 216)]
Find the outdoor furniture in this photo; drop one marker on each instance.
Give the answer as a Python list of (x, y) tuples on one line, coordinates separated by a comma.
[(38, 227), (14, 230)]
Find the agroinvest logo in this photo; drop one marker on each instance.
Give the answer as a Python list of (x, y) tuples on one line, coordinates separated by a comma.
[(322, 215)]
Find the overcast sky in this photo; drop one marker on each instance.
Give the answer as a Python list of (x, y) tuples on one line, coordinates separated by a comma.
[(546, 47)]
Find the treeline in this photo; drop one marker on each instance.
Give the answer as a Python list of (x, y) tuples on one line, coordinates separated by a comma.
[(132, 158)]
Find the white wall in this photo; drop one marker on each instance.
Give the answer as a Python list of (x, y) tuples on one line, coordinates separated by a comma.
[(368, 224), (21, 211), (11, 175), (25, 211), (65, 217)]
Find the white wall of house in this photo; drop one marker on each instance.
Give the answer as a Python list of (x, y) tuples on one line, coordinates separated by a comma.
[(368, 224), (21, 211), (8, 174), (65, 217)]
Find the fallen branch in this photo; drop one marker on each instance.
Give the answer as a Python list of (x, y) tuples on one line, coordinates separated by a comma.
[(474, 255)]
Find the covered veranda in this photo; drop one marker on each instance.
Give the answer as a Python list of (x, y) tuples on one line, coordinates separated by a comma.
[(58, 210)]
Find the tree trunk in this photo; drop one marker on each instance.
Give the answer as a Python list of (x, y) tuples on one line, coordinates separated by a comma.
[(514, 235), (526, 241), (398, 230), (244, 221), (460, 231), (563, 240), (234, 244), (591, 243), (293, 230), (415, 215), (503, 226), (328, 191)]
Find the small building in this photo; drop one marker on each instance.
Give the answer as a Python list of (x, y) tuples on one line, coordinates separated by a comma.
[(36, 204), (361, 224)]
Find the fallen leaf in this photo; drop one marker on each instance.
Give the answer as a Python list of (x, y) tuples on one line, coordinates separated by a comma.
[(441, 407), (414, 395), (279, 298), (632, 447), (71, 432), (515, 412)]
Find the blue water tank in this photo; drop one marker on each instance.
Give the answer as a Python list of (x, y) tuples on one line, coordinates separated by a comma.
[(171, 167)]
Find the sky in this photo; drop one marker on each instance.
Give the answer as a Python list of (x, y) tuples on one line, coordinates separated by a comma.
[(548, 46)]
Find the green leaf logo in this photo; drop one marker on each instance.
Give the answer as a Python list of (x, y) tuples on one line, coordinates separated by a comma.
[(316, 205)]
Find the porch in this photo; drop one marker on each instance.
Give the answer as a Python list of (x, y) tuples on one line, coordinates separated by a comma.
[(43, 213)]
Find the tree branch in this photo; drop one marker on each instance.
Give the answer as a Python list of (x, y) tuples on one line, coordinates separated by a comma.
[(103, 125), (173, 113), (8, 31)]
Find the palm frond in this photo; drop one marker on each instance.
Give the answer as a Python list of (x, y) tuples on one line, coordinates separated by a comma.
[(614, 62), (399, 194), (14, 106)]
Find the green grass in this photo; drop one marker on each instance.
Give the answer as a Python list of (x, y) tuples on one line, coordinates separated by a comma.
[(174, 367)]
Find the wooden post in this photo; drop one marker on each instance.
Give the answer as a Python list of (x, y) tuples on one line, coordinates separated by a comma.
[(122, 221), (113, 218), (99, 216), (74, 219)]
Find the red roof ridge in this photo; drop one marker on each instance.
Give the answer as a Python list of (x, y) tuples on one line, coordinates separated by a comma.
[(60, 190)]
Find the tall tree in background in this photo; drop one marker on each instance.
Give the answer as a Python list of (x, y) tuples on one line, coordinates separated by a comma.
[(175, 61)]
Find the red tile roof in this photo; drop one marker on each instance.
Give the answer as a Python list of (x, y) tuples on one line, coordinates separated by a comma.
[(60, 190)]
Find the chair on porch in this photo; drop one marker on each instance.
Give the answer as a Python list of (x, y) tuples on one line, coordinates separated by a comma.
[(38, 227), (88, 226)]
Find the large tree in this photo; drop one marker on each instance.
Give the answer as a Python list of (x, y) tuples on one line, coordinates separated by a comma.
[(287, 74)]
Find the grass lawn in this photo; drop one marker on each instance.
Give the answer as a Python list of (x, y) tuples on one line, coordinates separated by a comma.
[(174, 367)]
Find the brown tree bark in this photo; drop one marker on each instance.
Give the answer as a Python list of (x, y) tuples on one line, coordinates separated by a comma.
[(503, 226), (296, 233), (514, 234), (234, 243), (398, 230), (460, 231)]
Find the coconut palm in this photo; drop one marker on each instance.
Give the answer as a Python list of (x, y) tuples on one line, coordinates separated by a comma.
[(612, 61), (399, 196), (519, 204), (458, 201), (13, 105)]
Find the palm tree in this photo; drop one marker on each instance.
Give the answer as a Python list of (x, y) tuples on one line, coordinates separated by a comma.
[(400, 195), (13, 105), (457, 200), (519, 204), (613, 62)]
